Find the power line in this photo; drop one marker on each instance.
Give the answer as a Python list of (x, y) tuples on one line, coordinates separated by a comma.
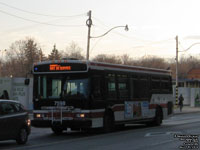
[(95, 44), (153, 43), (39, 14), (148, 43), (26, 27), (38, 21)]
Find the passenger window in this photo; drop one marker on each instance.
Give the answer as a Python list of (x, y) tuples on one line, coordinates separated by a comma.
[(18, 108), (7, 108), (111, 87), (123, 87)]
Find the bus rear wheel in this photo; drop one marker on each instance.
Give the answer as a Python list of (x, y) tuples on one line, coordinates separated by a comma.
[(158, 118), (157, 121)]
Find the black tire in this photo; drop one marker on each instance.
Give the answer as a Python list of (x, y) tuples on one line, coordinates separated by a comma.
[(157, 121), (120, 126), (159, 117), (22, 136), (57, 130), (108, 123), (169, 108)]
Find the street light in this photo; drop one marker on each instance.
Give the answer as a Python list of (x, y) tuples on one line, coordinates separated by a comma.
[(177, 64), (126, 29), (89, 24)]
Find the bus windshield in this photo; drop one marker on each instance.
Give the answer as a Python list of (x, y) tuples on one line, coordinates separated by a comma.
[(75, 88), (52, 87)]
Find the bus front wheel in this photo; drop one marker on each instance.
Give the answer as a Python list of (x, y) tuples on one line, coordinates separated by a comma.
[(57, 130)]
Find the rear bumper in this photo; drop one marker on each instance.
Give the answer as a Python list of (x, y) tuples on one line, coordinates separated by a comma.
[(65, 123)]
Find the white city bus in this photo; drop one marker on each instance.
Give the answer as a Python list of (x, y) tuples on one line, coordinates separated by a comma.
[(83, 94)]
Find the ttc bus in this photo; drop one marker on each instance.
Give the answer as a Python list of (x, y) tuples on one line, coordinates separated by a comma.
[(84, 94)]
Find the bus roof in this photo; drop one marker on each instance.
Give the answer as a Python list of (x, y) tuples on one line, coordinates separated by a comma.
[(108, 66), (120, 67)]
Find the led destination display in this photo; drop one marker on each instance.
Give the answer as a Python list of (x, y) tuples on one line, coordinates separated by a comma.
[(61, 67)]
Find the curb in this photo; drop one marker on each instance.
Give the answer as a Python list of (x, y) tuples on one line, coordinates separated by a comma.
[(189, 112)]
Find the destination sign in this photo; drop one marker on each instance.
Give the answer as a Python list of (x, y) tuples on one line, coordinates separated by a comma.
[(54, 67), (60, 67)]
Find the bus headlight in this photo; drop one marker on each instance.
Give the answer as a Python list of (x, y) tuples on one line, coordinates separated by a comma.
[(39, 115), (80, 115)]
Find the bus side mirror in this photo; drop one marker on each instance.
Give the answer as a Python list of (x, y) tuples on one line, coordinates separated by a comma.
[(26, 81)]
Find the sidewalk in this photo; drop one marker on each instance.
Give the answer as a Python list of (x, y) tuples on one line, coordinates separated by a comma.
[(186, 109)]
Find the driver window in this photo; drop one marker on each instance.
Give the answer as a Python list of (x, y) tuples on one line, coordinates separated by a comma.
[(76, 88)]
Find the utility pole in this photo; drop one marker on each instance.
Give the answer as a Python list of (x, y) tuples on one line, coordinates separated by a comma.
[(89, 24), (176, 70)]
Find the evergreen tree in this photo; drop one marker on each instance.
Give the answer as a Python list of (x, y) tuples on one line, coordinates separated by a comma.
[(42, 57), (55, 55)]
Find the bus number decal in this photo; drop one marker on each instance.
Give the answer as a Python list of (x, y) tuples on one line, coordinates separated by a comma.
[(59, 103)]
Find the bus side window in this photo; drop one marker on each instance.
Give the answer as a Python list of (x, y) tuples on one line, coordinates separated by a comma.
[(155, 84), (111, 87), (136, 86), (123, 87), (97, 88)]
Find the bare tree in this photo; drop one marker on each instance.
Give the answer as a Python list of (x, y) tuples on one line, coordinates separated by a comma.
[(186, 64), (73, 51), (23, 53), (153, 62), (31, 53), (20, 58), (16, 59), (108, 58), (126, 60)]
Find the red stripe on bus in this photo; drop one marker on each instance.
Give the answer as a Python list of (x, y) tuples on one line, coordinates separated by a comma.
[(96, 115), (153, 106), (118, 108), (163, 105)]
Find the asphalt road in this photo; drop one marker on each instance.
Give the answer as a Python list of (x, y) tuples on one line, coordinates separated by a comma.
[(176, 132)]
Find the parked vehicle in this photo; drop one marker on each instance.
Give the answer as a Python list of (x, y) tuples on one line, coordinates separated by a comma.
[(14, 122)]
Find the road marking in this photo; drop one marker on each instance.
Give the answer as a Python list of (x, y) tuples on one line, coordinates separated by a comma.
[(154, 134), (163, 142), (161, 133)]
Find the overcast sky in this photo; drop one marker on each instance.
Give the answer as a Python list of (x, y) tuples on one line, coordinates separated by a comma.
[(153, 25)]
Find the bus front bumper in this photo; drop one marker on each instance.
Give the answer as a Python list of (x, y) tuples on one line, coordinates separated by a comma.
[(64, 123)]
